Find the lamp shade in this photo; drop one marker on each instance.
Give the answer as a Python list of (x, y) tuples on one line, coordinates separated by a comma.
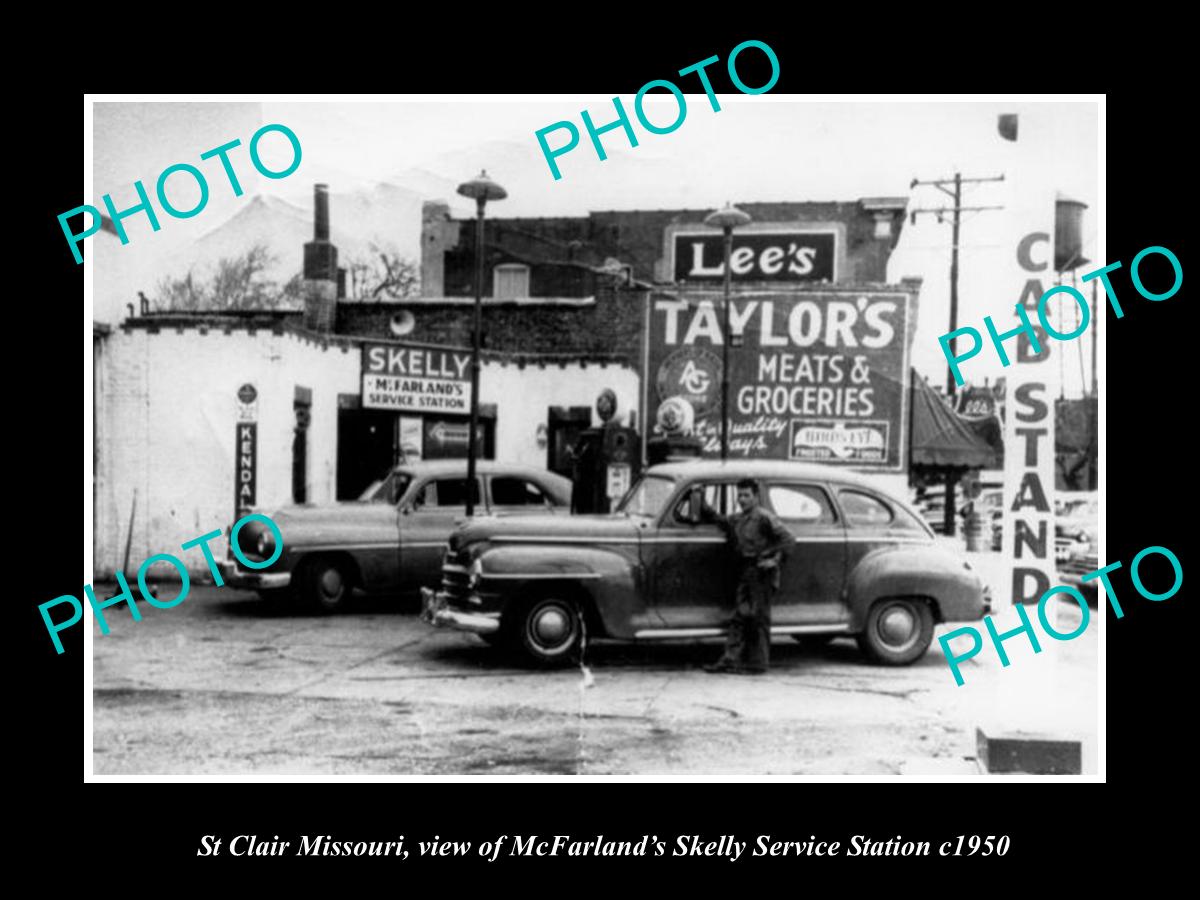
[(729, 217), (482, 188)]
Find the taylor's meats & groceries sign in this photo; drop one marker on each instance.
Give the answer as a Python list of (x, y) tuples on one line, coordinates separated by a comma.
[(814, 376), (416, 379)]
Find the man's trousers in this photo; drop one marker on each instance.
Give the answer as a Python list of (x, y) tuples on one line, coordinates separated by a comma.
[(748, 642)]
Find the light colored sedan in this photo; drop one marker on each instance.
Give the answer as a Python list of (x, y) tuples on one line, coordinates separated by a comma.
[(392, 539)]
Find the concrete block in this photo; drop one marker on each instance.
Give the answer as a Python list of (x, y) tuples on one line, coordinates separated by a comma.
[(1036, 754)]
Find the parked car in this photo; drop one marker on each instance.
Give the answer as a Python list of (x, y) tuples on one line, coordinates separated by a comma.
[(864, 564), (392, 538), (1076, 539)]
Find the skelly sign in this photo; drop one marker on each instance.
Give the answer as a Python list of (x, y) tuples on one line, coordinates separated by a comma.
[(814, 376), (415, 379), (784, 254)]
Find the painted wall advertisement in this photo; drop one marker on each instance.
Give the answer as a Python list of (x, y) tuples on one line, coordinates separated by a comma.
[(416, 379), (816, 376)]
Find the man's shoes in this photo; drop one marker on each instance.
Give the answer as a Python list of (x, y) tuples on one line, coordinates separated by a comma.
[(721, 666), (752, 670)]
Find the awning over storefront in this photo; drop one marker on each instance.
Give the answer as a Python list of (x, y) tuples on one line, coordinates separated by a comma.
[(940, 437)]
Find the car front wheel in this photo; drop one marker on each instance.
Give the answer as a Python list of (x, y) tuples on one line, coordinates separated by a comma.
[(548, 631), (326, 585), (898, 631)]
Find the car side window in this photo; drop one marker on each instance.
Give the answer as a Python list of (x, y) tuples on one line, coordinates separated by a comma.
[(442, 492), (714, 493), (509, 491), (864, 511), (805, 504), (906, 521)]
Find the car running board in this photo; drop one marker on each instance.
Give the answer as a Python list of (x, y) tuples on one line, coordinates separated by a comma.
[(660, 633)]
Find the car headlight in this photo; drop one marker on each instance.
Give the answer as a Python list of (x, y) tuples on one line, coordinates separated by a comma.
[(265, 545)]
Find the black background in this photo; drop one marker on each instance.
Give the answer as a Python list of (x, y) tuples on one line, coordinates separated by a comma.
[(1146, 395)]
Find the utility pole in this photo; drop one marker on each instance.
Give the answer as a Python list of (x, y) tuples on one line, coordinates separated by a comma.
[(956, 212), (955, 223)]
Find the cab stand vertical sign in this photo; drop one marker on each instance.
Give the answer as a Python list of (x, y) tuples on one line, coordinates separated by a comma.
[(246, 451), (1033, 385)]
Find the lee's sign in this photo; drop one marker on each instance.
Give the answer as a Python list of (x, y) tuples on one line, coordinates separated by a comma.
[(777, 255), (416, 379)]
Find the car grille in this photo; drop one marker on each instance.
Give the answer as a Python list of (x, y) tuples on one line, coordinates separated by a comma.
[(456, 575), (1079, 565)]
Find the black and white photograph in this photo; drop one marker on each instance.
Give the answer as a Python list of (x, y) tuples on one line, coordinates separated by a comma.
[(701, 434)]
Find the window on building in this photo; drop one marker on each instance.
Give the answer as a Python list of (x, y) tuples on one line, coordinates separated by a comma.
[(510, 281), (516, 492), (864, 511), (803, 503)]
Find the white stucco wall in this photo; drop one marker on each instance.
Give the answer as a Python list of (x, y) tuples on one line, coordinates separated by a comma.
[(169, 419)]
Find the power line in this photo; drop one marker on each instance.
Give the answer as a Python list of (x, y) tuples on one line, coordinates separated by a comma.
[(955, 212)]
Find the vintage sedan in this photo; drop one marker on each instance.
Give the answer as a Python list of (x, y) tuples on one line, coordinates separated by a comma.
[(392, 538), (864, 564)]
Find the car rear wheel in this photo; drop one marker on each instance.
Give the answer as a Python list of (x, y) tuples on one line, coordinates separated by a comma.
[(898, 631), (548, 631), (325, 584)]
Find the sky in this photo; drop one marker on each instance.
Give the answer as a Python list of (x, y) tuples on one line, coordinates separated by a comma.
[(755, 149)]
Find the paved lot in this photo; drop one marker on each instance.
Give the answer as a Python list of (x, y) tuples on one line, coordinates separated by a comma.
[(225, 684)]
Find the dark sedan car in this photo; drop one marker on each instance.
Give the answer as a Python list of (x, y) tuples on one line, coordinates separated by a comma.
[(392, 538), (863, 564)]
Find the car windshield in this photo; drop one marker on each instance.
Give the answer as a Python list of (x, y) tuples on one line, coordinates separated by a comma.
[(372, 492), (647, 497), (388, 489)]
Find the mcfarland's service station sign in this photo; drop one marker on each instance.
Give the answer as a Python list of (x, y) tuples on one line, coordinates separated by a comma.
[(416, 379)]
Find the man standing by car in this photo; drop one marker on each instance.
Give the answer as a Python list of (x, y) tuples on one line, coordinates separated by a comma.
[(758, 540)]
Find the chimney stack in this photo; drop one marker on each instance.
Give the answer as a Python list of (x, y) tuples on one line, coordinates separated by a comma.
[(321, 207), (320, 268)]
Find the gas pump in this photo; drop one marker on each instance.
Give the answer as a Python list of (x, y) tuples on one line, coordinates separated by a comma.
[(605, 460), (674, 441)]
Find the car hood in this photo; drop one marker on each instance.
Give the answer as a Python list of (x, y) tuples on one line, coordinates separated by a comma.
[(547, 529), (331, 517)]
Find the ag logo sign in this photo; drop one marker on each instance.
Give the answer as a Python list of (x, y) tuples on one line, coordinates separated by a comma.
[(693, 374)]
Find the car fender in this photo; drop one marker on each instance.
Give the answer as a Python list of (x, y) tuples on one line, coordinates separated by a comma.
[(609, 577), (916, 570)]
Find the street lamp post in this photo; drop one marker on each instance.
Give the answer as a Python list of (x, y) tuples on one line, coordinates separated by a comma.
[(726, 219), (481, 189)]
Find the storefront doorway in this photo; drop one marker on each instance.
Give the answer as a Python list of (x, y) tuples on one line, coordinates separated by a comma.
[(368, 446)]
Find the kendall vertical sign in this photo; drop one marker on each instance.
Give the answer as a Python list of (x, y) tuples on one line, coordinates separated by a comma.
[(819, 376), (245, 472), (416, 379)]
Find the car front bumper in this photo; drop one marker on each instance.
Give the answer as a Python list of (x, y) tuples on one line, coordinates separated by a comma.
[(255, 581), (436, 612)]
